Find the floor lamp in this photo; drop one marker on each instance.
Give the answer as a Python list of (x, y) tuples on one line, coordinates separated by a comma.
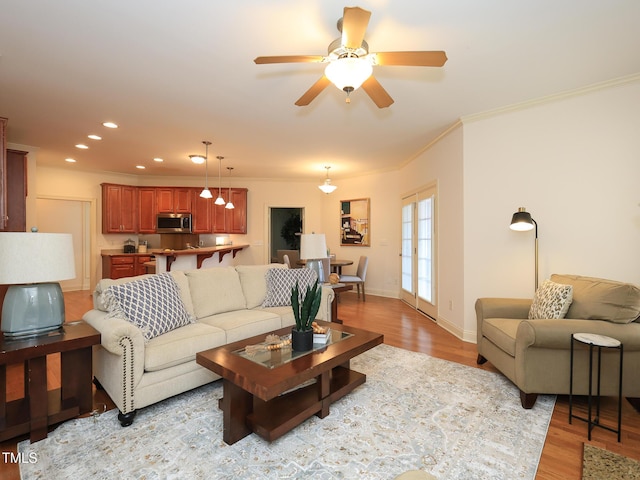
[(523, 222)]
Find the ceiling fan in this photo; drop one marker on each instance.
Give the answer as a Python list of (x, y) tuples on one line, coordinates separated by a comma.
[(349, 63)]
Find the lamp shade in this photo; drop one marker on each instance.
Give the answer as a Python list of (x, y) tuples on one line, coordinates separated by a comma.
[(348, 72), (27, 257), (521, 221), (313, 246)]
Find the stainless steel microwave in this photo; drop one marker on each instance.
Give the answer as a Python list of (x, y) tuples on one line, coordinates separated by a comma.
[(173, 223)]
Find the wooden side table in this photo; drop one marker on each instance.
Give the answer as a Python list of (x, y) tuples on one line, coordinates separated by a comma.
[(40, 408), (337, 289)]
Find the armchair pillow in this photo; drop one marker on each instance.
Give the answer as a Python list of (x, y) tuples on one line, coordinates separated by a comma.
[(552, 300)]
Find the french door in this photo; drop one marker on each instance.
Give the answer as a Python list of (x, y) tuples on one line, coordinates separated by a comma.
[(419, 267)]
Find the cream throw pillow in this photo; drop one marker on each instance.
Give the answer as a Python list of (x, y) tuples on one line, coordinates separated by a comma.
[(551, 300)]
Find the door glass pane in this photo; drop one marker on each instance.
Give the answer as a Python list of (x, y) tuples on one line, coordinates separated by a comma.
[(425, 247), (407, 248)]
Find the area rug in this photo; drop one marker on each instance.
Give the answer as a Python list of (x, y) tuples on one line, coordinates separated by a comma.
[(414, 412), (598, 464)]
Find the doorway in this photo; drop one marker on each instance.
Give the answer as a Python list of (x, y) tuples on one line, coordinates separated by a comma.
[(419, 268), (285, 228), (58, 215)]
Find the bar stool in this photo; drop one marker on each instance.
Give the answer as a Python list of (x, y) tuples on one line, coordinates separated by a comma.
[(599, 341)]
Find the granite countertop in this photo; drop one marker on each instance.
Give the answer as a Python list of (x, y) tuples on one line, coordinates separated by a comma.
[(118, 252), (197, 251)]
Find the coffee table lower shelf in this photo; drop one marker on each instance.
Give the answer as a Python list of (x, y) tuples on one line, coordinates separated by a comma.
[(276, 417), (245, 413)]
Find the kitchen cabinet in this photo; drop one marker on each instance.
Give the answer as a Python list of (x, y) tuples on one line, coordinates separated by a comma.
[(119, 210), (237, 221), (16, 206), (125, 265), (173, 199), (3, 173), (201, 214), (118, 266), (139, 264), (147, 211), (231, 220)]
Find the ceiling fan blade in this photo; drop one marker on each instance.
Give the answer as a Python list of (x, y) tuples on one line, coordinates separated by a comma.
[(313, 92), (289, 59), (412, 59), (377, 93), (354, 26)]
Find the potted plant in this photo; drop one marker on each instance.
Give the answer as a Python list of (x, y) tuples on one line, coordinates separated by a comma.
[(305, 310)]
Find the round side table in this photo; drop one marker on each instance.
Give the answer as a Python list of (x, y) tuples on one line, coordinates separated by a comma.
[(599, 342)]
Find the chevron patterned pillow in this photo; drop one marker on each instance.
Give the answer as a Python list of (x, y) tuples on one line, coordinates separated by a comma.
[(152, 304), (280, 281)]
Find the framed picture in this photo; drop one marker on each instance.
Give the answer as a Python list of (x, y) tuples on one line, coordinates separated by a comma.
[(354, 223)]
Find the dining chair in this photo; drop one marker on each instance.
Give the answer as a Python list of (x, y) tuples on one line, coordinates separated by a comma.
[(359, 278), (285, 260)]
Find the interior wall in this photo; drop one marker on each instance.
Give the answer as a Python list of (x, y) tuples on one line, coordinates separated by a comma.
[(574, 164), (67, 216), (442, 164)]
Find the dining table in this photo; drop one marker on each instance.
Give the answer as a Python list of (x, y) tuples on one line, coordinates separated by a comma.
[(336, 264)]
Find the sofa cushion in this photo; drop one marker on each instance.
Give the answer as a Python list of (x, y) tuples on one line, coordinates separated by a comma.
[(152, 304), (254, 282), (551, 300), (181, 345), (601, 299), (285, 313), (215, 290), (280, 282), (243, 324)]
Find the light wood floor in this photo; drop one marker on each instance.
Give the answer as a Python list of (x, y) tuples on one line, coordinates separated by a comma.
[(404, 327)]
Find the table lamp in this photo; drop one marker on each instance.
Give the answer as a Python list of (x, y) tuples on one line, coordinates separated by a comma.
[(33, 263), (313, 248)]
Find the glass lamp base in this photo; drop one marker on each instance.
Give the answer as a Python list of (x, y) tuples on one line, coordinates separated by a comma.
[(31, 310)]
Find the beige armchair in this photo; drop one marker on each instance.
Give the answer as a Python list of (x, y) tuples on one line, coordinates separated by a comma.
[(535, 354)]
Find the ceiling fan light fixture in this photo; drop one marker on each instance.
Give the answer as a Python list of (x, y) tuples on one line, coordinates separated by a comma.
[(348, 72), (327, 187)]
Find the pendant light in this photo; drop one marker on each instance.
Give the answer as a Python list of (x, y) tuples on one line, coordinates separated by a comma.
[(219, 200), (229, 204), (206, 193), (326, 187)]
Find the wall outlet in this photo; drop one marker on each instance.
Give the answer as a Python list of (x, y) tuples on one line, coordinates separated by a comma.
[(201, 243), (450, 304)]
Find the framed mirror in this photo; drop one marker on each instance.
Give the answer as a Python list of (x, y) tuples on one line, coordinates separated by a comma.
[(354, 223)]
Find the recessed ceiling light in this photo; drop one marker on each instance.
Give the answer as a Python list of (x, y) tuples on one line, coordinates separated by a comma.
[(158, 159), (141, 167), (110, 125), (94, 137), (70, 160), (82, 146)]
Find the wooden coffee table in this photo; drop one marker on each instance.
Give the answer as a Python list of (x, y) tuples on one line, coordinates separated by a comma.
[(257, 391)]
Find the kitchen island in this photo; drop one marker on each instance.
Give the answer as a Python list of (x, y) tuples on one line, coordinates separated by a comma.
[(192, 258)]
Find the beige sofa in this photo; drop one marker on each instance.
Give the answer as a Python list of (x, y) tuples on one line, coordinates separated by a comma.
[(226, 303), (535, 354)]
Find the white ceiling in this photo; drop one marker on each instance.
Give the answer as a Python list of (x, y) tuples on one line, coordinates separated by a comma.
[(174, 73)]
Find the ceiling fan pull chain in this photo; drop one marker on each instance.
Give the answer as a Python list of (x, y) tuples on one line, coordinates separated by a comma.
[(348, 90)]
